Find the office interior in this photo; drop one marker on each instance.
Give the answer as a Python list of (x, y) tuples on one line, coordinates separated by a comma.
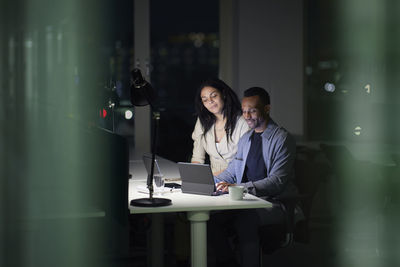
[(70, 134)]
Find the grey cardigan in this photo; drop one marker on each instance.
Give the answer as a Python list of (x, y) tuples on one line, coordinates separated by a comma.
[(279, 149)]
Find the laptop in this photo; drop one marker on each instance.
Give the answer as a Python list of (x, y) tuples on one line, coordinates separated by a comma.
[(147, 159), (147, 164), (196, 178)]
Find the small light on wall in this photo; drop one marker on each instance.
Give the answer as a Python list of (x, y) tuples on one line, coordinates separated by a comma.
[(357, 130), (128, 114), (329, 87)]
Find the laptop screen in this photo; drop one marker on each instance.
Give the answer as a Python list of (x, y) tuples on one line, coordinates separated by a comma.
[(196, 178), (147, 163)]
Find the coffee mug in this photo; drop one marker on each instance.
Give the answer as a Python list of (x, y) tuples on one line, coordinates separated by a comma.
[(237, 192)]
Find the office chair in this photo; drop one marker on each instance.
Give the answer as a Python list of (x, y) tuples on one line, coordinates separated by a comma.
[(310, 170)]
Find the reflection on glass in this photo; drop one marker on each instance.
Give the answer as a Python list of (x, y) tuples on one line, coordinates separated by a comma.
[(356, 122), (184, 52), (54, 190)]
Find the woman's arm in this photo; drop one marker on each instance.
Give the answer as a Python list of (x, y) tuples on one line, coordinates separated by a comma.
[(199, 152)]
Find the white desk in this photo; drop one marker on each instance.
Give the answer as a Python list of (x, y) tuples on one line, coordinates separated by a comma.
[(198, 208)]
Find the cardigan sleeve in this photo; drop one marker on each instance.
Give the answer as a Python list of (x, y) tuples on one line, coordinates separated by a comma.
[(199, 151)]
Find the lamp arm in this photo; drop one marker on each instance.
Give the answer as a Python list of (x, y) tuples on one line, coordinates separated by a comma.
[(156, 118)]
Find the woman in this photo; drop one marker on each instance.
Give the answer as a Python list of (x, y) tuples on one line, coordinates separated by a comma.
[(219, 125)]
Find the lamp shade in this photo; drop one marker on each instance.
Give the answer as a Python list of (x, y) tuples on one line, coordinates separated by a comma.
[(142, 93)]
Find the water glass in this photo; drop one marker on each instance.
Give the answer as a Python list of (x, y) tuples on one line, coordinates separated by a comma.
[(158, 181)]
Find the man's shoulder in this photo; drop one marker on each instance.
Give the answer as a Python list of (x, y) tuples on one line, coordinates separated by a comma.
[(279, 133), (282, 132)]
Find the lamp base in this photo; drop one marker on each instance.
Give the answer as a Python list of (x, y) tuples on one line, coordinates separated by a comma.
[(150, 202)]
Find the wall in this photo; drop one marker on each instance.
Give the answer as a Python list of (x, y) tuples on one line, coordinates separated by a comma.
[(269, 54)]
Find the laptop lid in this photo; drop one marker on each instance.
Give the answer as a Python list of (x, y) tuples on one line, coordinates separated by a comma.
[(147, 164), (196, 178)]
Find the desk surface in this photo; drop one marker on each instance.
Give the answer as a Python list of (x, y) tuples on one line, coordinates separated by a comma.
[(191, 202)]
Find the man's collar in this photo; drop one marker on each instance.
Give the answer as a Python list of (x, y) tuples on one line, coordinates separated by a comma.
[(271, 125)]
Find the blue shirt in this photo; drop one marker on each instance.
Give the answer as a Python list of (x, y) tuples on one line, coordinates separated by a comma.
[(278, 152)]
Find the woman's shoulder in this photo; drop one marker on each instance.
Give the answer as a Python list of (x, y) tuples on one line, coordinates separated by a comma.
[(242, 124), (241, 120), (241, 128), (198, 128)]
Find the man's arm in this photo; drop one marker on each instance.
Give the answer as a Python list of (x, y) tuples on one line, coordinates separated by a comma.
[(281, 168), (226, 178), (233, 170), (228, 175)]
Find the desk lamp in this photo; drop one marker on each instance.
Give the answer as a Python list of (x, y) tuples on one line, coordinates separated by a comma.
[(142, 94)]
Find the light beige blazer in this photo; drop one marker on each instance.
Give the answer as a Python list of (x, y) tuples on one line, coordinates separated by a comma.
[(206, 144)]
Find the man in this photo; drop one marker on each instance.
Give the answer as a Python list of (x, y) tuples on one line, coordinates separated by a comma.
[(264, 165)]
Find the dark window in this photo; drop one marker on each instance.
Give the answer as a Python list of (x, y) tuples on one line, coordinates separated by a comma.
[(184, 52)]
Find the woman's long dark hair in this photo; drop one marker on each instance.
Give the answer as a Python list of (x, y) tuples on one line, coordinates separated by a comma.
[(231, 109)]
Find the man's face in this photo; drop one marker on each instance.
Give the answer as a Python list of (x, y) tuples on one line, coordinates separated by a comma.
[(255, 113)]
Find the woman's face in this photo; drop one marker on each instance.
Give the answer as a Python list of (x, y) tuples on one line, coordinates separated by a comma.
[(212, 99)]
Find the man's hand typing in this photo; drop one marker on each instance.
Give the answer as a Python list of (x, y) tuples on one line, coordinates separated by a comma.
[(223, 186)]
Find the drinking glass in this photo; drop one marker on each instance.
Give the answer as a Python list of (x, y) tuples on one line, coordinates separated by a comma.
[(158, 180)]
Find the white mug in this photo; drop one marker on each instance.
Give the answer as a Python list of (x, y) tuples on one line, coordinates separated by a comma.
[(237, 192)]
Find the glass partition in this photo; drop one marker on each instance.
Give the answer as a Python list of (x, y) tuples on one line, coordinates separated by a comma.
[(184, 52), (56, 191)]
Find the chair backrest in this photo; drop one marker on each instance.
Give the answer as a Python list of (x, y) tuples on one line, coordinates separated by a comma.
[(310, 169), (308, 173)]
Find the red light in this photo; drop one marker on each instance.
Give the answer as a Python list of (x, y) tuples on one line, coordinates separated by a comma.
[(103, 113)]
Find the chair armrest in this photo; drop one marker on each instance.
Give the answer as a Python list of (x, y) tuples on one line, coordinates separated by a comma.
[(288, 205), (284, 199)]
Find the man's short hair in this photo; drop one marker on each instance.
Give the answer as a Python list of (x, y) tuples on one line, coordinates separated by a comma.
[(253, 91)]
